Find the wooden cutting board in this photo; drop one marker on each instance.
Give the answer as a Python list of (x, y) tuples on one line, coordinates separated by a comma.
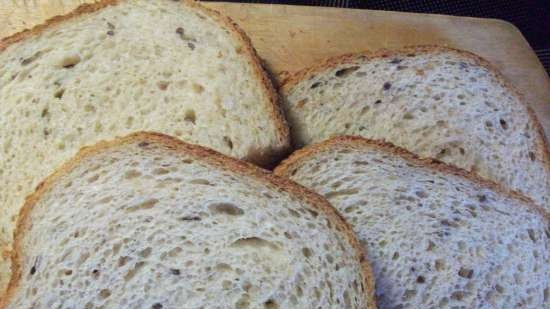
[(289, 38)]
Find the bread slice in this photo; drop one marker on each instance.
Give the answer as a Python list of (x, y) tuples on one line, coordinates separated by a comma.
[(115, 67), (147, 221), (436, 102), (436, 236)]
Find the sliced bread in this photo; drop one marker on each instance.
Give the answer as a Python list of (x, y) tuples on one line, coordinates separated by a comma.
[(115, 67), (436, 236), (436, 102), (147, 221)]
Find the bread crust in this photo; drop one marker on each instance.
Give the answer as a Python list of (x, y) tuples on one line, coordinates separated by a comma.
[(203, 154), (291, 80), (266, 158), (359, 143)]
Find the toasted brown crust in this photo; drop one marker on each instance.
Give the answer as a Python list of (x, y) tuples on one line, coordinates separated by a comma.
[(200, 153), (291, 80), (263, 158), (359, 143)]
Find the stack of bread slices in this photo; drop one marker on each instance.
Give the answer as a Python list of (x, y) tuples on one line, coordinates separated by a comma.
[(134, 139)]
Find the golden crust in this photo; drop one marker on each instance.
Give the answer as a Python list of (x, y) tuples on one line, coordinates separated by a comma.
[(264, 158), (200, 153), (291, 80), (359, 143)]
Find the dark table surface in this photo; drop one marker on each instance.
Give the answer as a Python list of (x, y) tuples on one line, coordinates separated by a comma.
[(532, 17)]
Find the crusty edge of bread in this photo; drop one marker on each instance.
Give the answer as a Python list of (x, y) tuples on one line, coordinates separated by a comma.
[(360, 143), (203, 154), (292, 79), (267, 157)]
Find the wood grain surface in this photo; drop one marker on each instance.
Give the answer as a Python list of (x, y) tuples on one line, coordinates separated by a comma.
[(289, 38)]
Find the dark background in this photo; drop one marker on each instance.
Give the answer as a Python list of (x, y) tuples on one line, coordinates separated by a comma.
[(532, 17)]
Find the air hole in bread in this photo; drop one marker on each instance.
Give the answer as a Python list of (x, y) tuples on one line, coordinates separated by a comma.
[(313, 213), (443, 152), (408, 294), (457, 295), (271, 304), (93, 178), (157, 306), (223, 267), (160, 171), (306, 252), (190, 116), (301, 103), (225, 209), (175, 252), (190, 218), (122, 260), (439, 264), (59, 93), (531, 234), (45, 113), (294, 300), (253, 242), (421, 194), (294, 213), (243, 302), (163, 85), (104, 293), (83, 257), (148, 204), (145, 252), (503, 124), (226, 284), (132, 174), (69, 61), (200, 182), (129, 122), (441, 123), (98, 127), (299, 291), (132, 272), (197, 88), (315, 85), (350, 209), (334, 194), (346, 71), (465, 272), (116, 248), (30, 59), (228, 142)]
